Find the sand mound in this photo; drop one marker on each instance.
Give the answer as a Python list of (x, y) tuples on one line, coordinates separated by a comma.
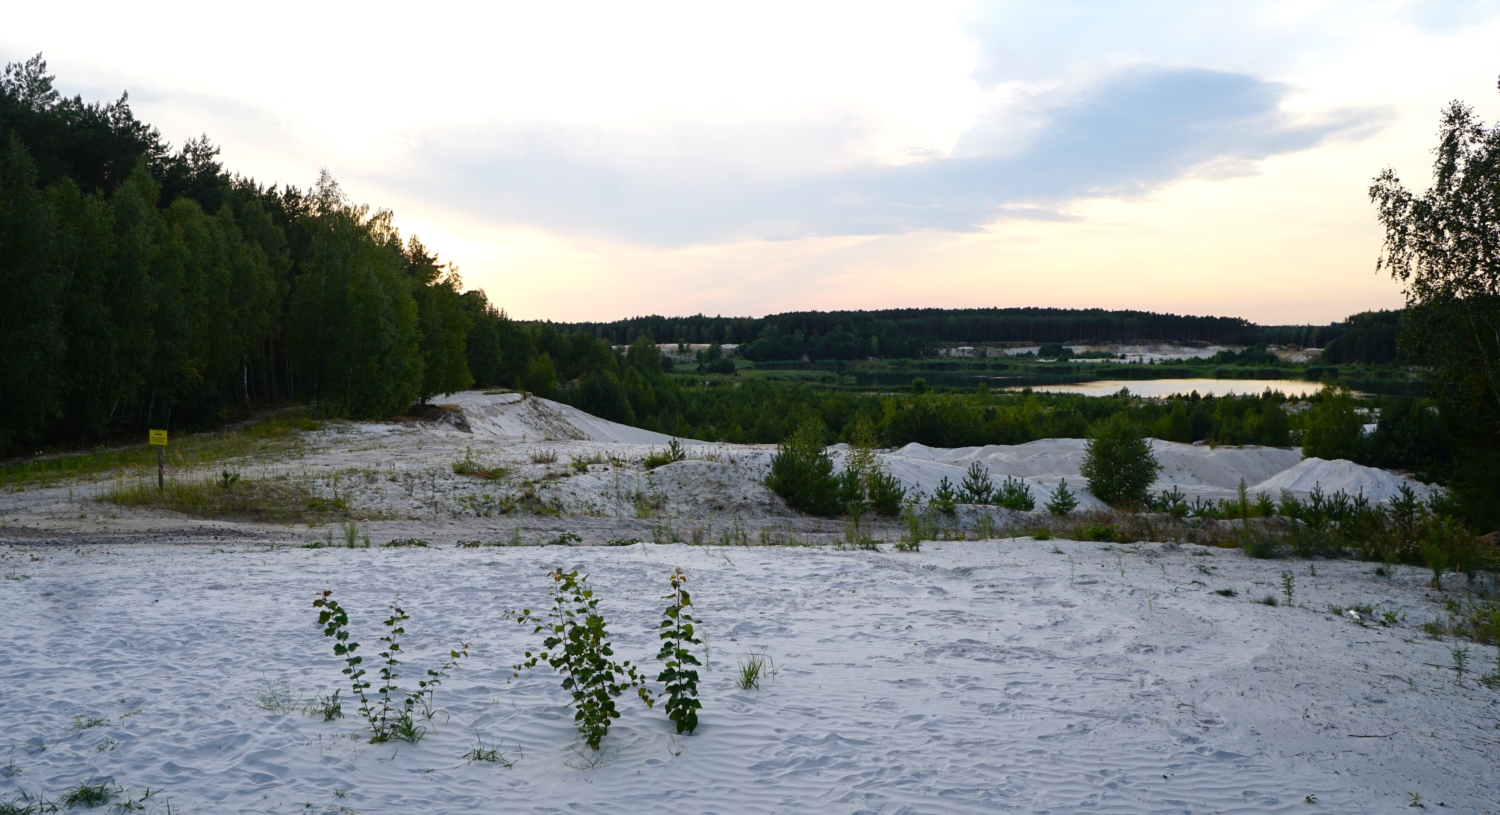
[(1334, 476), (521, 416)]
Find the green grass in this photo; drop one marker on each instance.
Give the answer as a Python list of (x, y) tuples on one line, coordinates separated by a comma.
[(88, 795), (282, 500), (275, 437)]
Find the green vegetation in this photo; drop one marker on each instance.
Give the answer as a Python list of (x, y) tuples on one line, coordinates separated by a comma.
[(1441, 246), (1118, 464), (678, 673), (282, 500), (388, 719), (578, 648)]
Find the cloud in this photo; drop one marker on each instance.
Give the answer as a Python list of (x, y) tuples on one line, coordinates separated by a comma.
[(1130, 133)]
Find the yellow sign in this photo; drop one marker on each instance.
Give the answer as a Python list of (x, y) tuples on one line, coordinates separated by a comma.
[(159, 438)]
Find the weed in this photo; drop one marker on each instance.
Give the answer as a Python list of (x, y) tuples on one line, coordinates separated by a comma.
[(756, 665), (578, 648), (1100, 531), (387, 721), (672, 454), (1042, 535), (88, 722), (490, 753), (984, 528), (467, 466), (1268, 600), (10, 770), (18, 577), (1288, 586), (1460, 662), (84, 794), (564, 539), (1225, 592), (328, 706), (352, 535), (275, 696), (680, 678), (406, 542), (911, 540), (544, 457)]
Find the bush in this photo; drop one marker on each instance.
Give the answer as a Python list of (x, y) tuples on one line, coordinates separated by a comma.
[(1334, 429), (977, 488), (802, 472), (1015, 494), (1118, 464), (944, 499)]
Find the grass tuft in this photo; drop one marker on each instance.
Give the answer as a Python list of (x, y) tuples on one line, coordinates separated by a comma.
[(277, 499), (755, 667), (275, 696)]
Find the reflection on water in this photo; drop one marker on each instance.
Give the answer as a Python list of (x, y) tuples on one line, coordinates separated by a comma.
[(1171, 387)]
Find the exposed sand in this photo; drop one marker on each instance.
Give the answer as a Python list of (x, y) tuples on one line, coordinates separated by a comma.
[(970, 677)]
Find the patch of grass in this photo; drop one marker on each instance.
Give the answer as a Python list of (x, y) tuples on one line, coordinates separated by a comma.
[(544, 457), (275, 437), (89, 722), (753, 669), (1268, 600), (490, 753), (404, 542), (1099, 531), (673, 453), (328, 706), (87, 795), (281, 500), (469, 467), (1225, 592), (275, 696)]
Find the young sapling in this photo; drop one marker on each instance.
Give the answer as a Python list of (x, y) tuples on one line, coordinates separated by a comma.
[(680, 678)]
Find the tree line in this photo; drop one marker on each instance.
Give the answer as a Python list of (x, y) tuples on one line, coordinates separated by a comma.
[(145, 286)]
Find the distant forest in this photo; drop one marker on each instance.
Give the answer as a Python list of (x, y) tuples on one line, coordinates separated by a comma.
[(894, 333), (148, 287)]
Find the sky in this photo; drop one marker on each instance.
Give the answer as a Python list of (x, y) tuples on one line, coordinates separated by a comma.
[(598, 161)]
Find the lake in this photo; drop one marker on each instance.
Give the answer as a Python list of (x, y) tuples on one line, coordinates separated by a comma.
[(1172, 387)]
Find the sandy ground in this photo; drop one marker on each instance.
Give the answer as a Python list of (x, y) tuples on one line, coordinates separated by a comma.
[(972, 676)]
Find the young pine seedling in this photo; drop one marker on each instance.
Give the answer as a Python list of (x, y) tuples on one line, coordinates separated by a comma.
[(680, 677), (577, 647), (1288, 585)]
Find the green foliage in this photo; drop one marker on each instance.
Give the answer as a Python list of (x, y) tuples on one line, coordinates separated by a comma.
[(1015, 494), (755, 667), (88, 795), (1063, 500), (1335, 430), (679, 675), (1099, 531), (1440, 246), (944, 498), (1225, 592), (802, 472), (393, 714), (976, 487), (1118, 464), (673, 453), (578, 648)]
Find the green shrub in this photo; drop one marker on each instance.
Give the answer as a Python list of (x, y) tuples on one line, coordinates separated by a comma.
[(1118, 463), (802, 472), (1099, 531), (672, 454), (1015, 494), (944, 499)]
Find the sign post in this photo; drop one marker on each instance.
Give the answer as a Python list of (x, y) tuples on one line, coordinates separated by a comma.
[(159, 440)]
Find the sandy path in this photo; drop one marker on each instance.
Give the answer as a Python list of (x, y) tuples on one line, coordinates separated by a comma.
[(969, 677)]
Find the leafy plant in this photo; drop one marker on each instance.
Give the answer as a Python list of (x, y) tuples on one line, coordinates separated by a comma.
[(911, 540), (1460, 661), (1288, 585), (325, 705), (387, 719), (680, 678), (228, 479), (976, 487), (1063, 499), (578, 649)]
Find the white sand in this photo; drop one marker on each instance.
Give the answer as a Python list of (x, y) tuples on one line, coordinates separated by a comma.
[(968, 678)]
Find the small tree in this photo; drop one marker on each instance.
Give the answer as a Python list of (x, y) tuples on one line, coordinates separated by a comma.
[(977, 488), (1118, 463), (1063, 500), (802, 472)]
